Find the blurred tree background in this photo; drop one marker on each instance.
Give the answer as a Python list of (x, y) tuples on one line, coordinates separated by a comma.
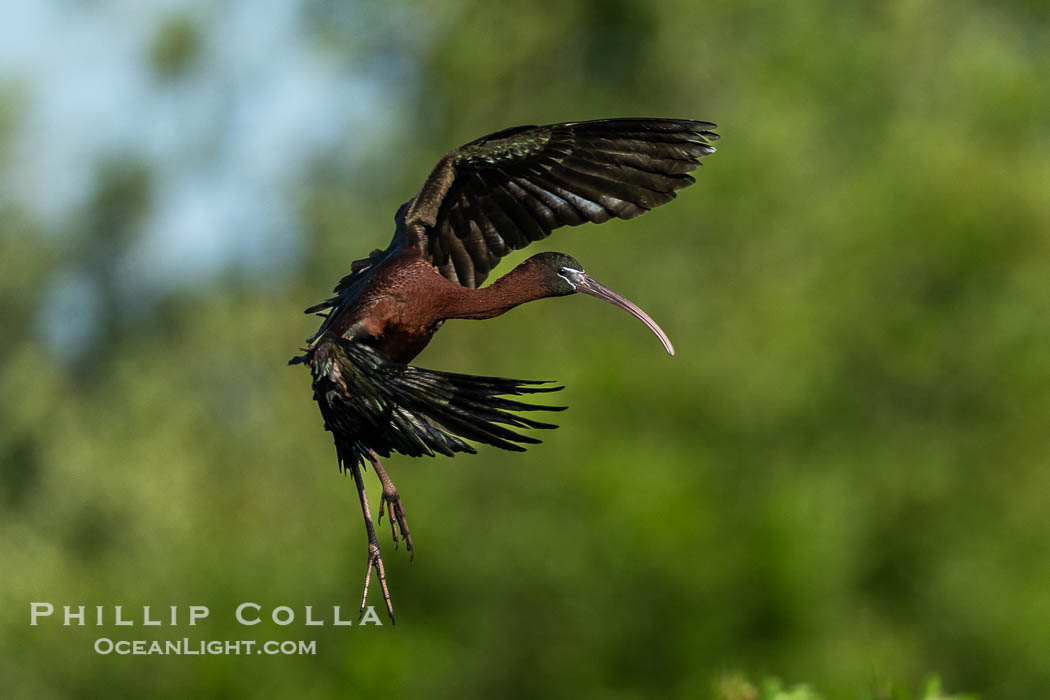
[(841, 480)]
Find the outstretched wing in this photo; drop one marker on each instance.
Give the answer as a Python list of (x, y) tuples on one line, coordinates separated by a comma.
[(369, 402), (507, 189)]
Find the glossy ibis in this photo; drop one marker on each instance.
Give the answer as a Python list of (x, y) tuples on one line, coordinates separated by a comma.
[(480, 202)]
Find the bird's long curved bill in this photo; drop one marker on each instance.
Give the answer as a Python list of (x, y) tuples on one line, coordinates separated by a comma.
[(589, 286)]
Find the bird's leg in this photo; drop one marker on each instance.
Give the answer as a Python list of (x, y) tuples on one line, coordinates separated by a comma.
[(375, 558), (392, 501)]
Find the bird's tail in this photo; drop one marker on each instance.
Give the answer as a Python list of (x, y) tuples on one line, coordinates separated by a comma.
[(370, 402)]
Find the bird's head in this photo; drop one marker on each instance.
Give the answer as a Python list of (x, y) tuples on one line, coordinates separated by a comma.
[(563, 275)]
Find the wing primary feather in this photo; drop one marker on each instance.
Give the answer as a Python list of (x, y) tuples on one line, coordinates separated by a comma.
[(490, 210), (515, 213), (588, 209), (619, 172), (567, 213), (545, 218)]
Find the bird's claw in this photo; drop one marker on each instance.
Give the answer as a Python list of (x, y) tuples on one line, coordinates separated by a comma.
[(391, 503), (375, 560)]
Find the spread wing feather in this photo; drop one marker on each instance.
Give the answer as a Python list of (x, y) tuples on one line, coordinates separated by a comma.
[(395, 407), (513, 187)]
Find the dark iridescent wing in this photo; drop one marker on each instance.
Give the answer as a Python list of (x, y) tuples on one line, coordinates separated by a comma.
[(513, 187), (366, 398)]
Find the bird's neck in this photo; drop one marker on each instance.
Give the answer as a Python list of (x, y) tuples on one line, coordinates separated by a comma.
[(520, 285)]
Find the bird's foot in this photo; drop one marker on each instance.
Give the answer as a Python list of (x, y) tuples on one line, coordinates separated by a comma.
[(395, 509), (375, 557), (375, 561)]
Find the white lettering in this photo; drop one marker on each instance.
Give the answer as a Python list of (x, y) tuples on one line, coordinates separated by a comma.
[(39, 610), (278, 609), (77, 615), (118, 620), (338, 621), (198, 612), (240, 613), (309, 617), (370, 616)]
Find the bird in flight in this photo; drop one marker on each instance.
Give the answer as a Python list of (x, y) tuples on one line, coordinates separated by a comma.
[(480, 202)]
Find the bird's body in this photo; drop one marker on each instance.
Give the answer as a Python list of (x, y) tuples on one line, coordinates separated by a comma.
[(399, 306), (403, 301), (480, 202)]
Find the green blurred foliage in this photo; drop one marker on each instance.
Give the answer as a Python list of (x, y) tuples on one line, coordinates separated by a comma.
[(840, 480), (738, 687)]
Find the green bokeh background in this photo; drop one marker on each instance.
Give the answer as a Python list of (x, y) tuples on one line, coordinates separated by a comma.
[(842, 478)]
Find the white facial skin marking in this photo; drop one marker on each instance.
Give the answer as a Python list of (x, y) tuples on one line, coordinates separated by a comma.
[(569, 269)]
